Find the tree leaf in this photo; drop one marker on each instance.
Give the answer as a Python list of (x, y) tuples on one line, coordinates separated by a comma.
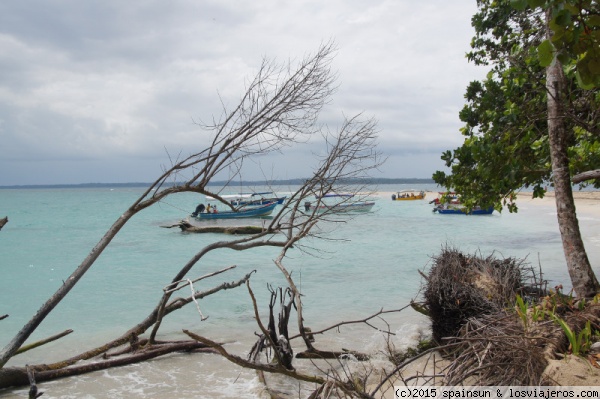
[(536, 3), (563, 18), (583, 80), (545, 53), (518, 4), (594, 20)]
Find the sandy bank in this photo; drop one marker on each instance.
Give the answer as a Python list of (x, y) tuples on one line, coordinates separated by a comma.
[(585, 201)]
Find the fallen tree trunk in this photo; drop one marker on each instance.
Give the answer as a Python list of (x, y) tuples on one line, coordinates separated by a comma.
[(17, 376), (187, 227), (319, 354)]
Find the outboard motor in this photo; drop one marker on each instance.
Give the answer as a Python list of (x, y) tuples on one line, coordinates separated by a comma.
[(199, 209)]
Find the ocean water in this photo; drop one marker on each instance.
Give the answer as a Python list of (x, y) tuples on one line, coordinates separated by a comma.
[(360, 266)]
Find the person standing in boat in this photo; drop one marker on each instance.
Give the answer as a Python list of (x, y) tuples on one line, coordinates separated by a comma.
[(307, 206), (208, 208)]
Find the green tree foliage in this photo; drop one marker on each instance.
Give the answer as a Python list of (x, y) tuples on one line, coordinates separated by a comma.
[(506, 138), (576, 36)]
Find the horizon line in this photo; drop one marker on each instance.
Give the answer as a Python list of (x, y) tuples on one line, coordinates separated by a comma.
[(225, 183)]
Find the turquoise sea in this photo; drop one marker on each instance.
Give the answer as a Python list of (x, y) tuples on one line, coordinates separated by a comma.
[(358, 267)]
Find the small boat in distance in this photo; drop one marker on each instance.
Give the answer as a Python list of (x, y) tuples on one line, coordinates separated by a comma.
[(243, 212), (408, 195)]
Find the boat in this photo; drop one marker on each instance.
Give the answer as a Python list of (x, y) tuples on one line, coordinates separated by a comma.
[(409, 195), (324, 204), (364, 206), (334, 195), (461, 210), (449, 197), (243, 212), (262, 198)]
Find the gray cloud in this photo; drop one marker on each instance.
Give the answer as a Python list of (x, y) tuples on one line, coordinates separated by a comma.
[(100, 91)]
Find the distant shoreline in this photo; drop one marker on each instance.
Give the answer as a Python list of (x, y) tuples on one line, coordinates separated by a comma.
[(224, 183)]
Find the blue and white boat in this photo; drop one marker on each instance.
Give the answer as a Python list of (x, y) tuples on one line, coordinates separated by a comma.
[(461, 210), (261, 198), (243, 212)]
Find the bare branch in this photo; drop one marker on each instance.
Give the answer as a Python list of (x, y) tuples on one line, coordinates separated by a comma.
[(170, 289), (41, 342), (254, 366)]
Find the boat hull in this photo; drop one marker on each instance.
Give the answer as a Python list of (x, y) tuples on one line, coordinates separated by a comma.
[(250, 212), (408, 196), (463, 211), (416, 197), (341, 208)]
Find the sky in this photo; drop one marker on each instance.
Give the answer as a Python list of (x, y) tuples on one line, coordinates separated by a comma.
[(109, 91)]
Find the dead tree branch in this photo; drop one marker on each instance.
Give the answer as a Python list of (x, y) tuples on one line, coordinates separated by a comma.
[(280, 105), (279, 108), (278, 369), (15, 376), (25, 348)]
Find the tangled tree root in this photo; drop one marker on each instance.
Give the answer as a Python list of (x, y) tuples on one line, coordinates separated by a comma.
[(462, 286), (495, 349), (486, 335)]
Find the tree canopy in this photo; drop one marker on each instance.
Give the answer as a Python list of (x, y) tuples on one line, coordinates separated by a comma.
[(576, 36), (506, 142)]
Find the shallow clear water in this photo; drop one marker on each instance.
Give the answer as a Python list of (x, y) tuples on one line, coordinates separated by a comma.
[(367, 263)]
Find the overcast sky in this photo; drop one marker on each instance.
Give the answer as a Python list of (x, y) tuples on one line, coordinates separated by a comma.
[(101, 91)]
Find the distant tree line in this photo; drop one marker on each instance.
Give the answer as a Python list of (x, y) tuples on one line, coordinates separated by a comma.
[(223, 183)]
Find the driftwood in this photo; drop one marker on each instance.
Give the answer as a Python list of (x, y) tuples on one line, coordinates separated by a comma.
[(279, 342), (187, 227), (319, 354), (18, 376), (3, 221), (33, 390), (138, 350)]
